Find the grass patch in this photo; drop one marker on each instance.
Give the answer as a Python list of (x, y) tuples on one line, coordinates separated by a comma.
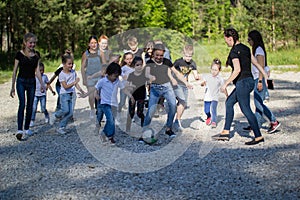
[(5, 76)]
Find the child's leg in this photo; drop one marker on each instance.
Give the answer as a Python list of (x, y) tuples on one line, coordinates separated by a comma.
[(34, 108), (99, 112), (214, 105), (140, 111), (207, 108), (43, 100), (66, 109), (109, 128), (131, 111)]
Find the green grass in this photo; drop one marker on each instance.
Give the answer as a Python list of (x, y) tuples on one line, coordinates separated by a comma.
[(5, 76)]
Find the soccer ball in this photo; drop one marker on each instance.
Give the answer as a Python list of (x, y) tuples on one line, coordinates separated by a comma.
[(149, 136)]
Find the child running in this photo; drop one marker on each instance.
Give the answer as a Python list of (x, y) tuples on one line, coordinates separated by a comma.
[(108, 88), (137, 82), (68, 80), (213, 83), (40, 96)]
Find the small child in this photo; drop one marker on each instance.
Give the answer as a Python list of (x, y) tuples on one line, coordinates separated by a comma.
[(68, 80), (136, 82), (126, 69), (133, 45), (213, 83), (108, 88), (40, 96)]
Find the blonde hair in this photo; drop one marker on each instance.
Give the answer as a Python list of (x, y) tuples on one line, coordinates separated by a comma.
[(132, 41), (188, 49), (26, 38)]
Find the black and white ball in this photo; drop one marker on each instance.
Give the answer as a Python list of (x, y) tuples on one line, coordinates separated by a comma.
[(149, 136)]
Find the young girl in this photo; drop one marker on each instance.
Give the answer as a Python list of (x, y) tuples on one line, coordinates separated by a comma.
[(137, 83), (106, 91), (213, 83), (126, 70), (26, 61), (91, 64), (105, 53), (68, 80), (57, 85), (41, 96)]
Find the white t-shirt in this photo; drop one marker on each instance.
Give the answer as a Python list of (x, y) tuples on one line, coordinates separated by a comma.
[(68, 78), (213, 85), (254, 70), (45, 80), (109, 90)]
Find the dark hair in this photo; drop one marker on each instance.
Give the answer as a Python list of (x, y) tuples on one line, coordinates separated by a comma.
[(136, 59), (65, 57), (218, 62), (231, 32), (41, 65), (257, 39), (113, 68), (123, 58), (90, 38), (159, 47)]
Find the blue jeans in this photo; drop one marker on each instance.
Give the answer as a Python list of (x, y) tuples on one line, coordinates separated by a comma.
[(100, 112), (210, 109), (42, 100), (182, 93), (156, 91), (110, 113), (67, 102), (260, 107), (25, 85), (241, 94)]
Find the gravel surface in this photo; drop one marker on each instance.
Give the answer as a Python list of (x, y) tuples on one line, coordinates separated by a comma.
[(191, 166)]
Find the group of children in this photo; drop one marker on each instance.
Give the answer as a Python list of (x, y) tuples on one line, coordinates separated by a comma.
[(134, 77)]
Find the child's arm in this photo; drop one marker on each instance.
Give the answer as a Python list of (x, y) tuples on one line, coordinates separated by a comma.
[(180, 77), (82, 93), (196, 75), (148, 75), (97, 94), (51, 89)]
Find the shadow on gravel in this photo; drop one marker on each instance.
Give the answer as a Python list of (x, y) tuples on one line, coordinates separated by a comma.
[(52, 166)]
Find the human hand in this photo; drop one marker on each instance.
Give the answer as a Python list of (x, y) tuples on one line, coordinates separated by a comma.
[(12, 93), (53, 93)]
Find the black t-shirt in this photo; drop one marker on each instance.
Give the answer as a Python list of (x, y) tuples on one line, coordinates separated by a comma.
[(160, 71), (27, 65), (243, 53), (140, 82), (185, 68), (57, 72)]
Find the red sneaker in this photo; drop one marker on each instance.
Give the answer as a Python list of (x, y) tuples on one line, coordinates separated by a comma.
[(274, 126), (208, 121)]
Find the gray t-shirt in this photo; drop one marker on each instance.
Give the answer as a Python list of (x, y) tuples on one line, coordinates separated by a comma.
[(68, 78)]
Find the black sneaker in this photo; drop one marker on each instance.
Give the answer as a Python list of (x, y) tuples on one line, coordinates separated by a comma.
[(141, 140), (248, 128), (170, 133), (112, 141)]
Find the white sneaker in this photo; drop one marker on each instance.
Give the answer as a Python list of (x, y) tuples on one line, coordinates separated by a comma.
[(47, 120), (92, 114), (28, 132), (31, 123), (61, 130), (52, 119)]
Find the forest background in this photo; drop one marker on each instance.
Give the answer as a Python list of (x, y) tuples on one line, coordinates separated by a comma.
[(62, 24)]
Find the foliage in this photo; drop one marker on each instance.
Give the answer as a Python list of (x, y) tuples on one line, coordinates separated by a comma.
[(62, 24)]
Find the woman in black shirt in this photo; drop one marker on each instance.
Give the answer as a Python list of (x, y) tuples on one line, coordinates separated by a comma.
[(239, 59), (26, 61)]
